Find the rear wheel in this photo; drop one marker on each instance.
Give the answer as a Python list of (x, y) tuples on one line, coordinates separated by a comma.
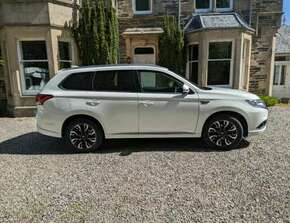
[(223, 132), (83, 135)]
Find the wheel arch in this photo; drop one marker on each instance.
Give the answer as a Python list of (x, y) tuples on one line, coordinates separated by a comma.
[(237, 115), (74, 117)]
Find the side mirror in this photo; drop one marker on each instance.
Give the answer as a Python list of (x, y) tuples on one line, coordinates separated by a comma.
[(185, 89)]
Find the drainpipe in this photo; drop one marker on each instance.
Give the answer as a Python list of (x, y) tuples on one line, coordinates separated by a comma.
[(179, 11)]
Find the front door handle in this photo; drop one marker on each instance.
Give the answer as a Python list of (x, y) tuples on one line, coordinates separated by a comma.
[(147, 103)]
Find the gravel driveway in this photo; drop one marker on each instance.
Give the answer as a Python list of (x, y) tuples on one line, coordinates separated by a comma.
[(176, 180)]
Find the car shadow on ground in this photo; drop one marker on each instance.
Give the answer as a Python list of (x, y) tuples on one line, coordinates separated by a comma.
[(35, 144)]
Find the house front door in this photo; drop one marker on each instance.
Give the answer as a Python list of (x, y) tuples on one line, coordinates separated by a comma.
[(144, 55)]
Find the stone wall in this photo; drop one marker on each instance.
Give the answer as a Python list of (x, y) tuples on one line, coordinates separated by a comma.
[(266, 19)]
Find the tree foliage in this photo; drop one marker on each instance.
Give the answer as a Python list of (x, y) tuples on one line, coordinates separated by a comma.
[(96, 32), (172, 46)]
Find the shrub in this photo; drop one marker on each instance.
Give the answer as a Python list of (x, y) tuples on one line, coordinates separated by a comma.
[(270, 101)]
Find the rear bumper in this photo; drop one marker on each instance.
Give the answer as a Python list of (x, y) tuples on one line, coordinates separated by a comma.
[(48, 133)]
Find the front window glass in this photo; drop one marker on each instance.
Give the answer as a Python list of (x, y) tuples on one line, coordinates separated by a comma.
[(34, 65), (219, 63), (142, 5), (64, 50), (223, 4), (202, 4), (156, 82), (193, 63), (115, 81)]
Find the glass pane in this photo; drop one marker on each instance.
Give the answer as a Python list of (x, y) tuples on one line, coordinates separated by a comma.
[(35, 75), (220, 50), (34, 50), (142, 5), (155, 82), (64, 50), (145, 50), (276, 74), (193, 52), (283, 75), (63, 65), (193, 72), (79, 81), (223, 4), (219, 72), (116, 81), (202, 4)]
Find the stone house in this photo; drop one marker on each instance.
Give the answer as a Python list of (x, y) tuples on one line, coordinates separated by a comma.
[(229, 43)]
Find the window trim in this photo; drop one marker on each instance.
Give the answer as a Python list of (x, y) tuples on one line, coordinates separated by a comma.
[(193, 61), (230, 85), (24, 92), (168, 75), (146, 12), (71, 52), (213, 7)]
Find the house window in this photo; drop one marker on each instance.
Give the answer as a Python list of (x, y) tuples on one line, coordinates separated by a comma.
[(34, 66), (279, 75), (65, 58), (203, 5), (142, 6), (219, 63), (211, 5), (193, 63)]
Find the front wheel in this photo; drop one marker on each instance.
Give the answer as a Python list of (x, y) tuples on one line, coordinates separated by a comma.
[(83, 135), (223, 132)]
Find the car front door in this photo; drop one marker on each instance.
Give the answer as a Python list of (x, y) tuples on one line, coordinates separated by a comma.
[(163, 108)]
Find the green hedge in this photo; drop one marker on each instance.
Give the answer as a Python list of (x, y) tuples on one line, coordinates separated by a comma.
[(270, 101)]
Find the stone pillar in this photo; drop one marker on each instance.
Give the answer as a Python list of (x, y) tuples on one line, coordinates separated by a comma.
[(238, 63), (203, 60), (269, 88), (52, 52)]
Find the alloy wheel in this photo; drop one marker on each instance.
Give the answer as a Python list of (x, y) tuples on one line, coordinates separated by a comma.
[(83, 136), (223, 133)]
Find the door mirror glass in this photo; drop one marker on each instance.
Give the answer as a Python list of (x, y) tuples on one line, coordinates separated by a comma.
[(185, 89)]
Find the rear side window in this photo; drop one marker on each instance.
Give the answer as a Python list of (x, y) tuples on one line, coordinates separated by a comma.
[(78, 81), (115, 81)]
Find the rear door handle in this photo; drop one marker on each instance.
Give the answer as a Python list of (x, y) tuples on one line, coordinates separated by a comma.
[(92, 103)]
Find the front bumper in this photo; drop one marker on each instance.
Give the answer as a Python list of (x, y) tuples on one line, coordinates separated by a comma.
[(257, 122)]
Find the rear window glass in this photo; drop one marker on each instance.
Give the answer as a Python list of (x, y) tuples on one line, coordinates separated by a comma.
[(79, 81), (116, 81)]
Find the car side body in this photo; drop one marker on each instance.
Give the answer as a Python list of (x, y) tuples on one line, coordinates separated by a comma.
[(142, 114)]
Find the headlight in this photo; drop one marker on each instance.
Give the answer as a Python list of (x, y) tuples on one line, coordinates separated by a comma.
[(258, 103)]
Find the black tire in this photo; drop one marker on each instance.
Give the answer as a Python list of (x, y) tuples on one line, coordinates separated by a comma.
[(83, 135), (223, 132)]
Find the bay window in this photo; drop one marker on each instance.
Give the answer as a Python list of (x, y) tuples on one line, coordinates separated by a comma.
[(34, 66), (65, 54), (193, 62), (220, 63), (142, 6)]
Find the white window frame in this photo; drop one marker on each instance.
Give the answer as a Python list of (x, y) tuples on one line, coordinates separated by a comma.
[(226, 9), (142, 12), (231, 61), (189, 62), (213, 7), (21, 62), (280, 74), (204, 10), (70, 49)]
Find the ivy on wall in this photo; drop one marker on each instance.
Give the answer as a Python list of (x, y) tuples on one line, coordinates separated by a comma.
[(96, 32), (172, 46)]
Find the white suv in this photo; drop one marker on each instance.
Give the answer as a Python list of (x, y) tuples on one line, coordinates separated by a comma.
[(87, 105)]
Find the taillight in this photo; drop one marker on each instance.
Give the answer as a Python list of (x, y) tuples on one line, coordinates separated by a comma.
[(41, 98)]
